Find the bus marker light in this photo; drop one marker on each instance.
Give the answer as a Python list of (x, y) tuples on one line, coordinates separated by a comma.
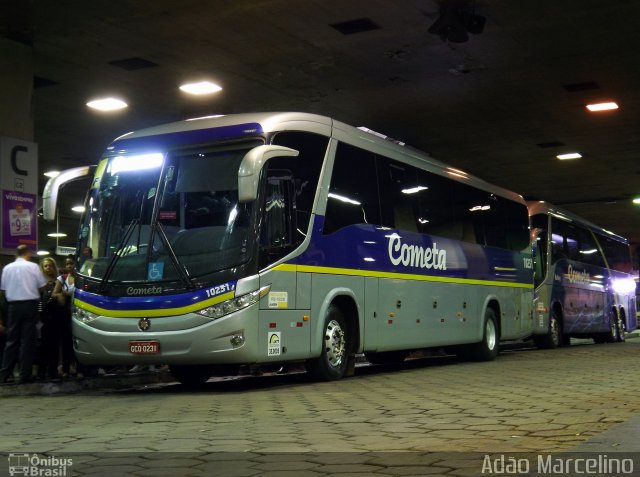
[(299, 324), (272, 325), (306, 318), (390, 322)]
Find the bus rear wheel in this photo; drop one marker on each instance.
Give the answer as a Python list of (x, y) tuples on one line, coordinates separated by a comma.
[(332, 362), (622, 328), (553, 338), (191, 376), (487, 349)]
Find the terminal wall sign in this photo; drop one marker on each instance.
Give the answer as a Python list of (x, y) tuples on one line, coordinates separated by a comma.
[(19, 186)]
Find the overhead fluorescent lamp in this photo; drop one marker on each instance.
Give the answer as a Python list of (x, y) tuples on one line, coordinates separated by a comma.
[(56, 235), (203, 87), (344, 199), (52, 174), (571, 155), (414, 190), (78, 208), (636, 200), (205, 117), (107, 104), (42, 252), (589, 252), (602, 106)]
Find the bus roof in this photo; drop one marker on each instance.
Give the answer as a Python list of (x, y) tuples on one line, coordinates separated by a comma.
[(278, 121), (543, 207)]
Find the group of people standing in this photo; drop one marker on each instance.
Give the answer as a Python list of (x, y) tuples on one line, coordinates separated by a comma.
[(36, 318)]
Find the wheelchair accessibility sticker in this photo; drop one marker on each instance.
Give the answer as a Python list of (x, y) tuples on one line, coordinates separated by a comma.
[(155, 271)]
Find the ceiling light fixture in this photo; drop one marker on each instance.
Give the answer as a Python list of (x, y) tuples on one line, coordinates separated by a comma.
[(42, 252), (203, 87), (571, 155), (602, 106), (78, 208), (57, 235), (107, 104), (52, 174), (636, 201)]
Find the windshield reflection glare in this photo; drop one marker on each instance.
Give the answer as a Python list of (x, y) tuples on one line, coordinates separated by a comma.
[(168, 219)]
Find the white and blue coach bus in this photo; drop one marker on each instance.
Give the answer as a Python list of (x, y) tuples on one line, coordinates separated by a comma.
[(584, 284), (264, 239)]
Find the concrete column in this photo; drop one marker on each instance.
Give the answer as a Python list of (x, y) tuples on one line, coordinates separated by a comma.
[(16, 90), (16, 93)]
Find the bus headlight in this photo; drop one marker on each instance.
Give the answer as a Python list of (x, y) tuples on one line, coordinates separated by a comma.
[(83, 316), (230, 306)]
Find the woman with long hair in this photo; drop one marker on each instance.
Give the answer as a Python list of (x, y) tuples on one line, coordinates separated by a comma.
[(49, 317)]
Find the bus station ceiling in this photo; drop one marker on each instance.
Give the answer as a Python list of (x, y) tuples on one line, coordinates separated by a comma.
[(500, 105)]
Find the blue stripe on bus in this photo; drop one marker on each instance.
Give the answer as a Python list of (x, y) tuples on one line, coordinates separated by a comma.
[(144, 303), (196, 136), (366, 248)]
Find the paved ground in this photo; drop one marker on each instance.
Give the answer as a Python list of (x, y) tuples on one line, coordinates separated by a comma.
[(432, 416)]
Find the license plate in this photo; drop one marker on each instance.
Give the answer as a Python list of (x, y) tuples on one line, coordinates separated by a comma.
[(144, 347)]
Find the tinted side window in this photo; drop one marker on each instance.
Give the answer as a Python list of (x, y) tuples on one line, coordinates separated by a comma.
[(305, 169), (514, 221), (558, 249), (588, 249), (435, 213), (469, 205), (399, 187), (353, 193), (617, 253)]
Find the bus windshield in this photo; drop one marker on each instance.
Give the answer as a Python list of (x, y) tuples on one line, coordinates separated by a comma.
[(165, 217)]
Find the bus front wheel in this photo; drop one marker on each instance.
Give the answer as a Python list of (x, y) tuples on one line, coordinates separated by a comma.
[(333, 359), (487, 349)]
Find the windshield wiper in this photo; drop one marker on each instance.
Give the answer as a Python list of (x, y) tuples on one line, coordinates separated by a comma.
[(184, 274), (116, 254)]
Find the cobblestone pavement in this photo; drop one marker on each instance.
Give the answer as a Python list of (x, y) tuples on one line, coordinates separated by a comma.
[(434, 416)]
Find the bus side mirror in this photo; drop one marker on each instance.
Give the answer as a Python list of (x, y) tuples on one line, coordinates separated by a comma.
[(51, 189), (251, 165)]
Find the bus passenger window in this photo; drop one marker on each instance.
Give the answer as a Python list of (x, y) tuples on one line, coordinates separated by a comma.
[(352, 201)]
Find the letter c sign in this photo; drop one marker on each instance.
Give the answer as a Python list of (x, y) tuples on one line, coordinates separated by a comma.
[(14, 159)]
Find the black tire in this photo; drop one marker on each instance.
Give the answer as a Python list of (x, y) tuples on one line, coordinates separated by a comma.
[(387, 357), (622, 328), (553, 338), (333, 360), (192, 377), (614, 332), (487, 349)]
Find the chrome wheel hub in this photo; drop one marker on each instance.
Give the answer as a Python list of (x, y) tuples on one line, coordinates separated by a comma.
[(334, 343)]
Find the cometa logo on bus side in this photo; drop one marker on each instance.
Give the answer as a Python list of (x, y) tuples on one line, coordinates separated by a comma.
[(415, 256)]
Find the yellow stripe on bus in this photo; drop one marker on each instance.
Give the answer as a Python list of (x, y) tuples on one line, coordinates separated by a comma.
[(286, 267), (155, 312)]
